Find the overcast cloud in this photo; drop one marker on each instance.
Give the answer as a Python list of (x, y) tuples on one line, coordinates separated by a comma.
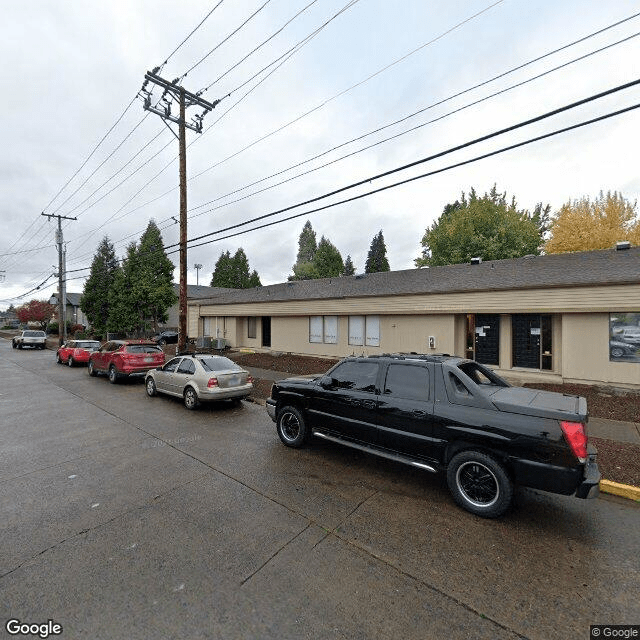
[(71, 67)]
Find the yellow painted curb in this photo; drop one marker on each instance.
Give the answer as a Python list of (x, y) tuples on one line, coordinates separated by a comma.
[(617, 489)]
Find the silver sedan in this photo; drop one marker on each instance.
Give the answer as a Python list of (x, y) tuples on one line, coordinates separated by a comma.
[(198, 378)]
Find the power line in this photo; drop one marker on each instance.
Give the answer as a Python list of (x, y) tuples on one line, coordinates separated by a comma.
[(403, 182), (187, 38), (459, 147), (384, 140), (327, 101), (255, 13)]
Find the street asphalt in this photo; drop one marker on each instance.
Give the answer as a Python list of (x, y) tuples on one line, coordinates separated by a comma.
[(130, 517)]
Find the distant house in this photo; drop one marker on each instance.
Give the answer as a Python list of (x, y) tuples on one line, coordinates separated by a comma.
[(8, 318), (74, 312)]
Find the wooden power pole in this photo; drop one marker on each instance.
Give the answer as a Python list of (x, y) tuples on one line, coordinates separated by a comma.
[(62, 279), (185, 99)]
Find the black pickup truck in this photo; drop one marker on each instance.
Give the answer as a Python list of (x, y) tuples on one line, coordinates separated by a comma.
[(442, 413)]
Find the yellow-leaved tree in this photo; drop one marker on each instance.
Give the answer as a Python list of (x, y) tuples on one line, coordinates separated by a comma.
[(585, 225)]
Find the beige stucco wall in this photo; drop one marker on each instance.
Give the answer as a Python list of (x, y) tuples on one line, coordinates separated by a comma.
[(585, 351), (397, 334)]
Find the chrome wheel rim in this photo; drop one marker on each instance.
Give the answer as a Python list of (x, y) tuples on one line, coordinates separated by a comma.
[(190, 398), (478, 484), (151, 387), (290, 426)]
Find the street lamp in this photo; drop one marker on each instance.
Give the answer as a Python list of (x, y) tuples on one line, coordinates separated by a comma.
[(197, 268)]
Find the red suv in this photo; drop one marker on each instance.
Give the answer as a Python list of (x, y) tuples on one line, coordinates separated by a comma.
[(120, 358)]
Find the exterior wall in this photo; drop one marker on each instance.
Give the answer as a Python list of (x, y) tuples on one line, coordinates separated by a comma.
[(580, 327), (585, 352)]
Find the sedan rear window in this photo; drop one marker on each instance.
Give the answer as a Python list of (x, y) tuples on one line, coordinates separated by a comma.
[(218, 363), (34, 334), (143, 348)]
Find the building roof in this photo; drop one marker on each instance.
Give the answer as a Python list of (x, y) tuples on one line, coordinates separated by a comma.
[(200, 291), (585, 268)]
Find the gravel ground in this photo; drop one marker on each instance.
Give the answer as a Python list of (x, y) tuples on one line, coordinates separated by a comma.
[(619, 462)]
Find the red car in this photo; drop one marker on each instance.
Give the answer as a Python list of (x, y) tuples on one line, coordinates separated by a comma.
[(76, 351), (122, 358)]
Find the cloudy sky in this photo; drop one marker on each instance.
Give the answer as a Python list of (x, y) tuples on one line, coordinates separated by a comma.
[(70, 68)]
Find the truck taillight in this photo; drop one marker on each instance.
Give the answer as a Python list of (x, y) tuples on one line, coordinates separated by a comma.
[(213, 382), (575, 435)]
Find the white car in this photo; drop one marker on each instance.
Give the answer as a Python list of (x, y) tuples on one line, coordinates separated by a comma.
[(629, 334), (30, 338)]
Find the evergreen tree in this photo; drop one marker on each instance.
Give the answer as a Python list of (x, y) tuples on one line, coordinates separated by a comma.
[(124, 313), (303, 269), (233, 272), (307, 245), (377, 256), (349, 269), (327, 261), (221, 276), (153, 279), (95, 297)]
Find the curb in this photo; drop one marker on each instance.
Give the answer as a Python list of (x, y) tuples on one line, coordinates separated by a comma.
[(622, 490)]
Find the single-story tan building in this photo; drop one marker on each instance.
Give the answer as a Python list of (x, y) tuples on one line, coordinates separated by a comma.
[(571, 317)]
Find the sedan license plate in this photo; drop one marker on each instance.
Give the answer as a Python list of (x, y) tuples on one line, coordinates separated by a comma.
[(234, 381)]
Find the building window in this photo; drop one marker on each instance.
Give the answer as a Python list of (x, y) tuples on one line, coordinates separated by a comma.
[(251, 327), (483, 338), (356, 330), (207, 326), (364, 330), (372, 332), (532, 341), (323, 329)]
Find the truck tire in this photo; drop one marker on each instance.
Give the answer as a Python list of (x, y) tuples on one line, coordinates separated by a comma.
[(292, 428), (479, 484)]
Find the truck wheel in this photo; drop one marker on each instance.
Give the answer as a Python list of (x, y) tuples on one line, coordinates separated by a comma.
[(91, 369), (113, 375), (479, 484), (292, 428)]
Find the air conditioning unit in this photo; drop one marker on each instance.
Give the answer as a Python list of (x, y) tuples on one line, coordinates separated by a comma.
[(218, 343), (203, 342)]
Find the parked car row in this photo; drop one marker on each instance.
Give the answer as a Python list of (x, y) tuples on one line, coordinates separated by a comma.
[(195, 378)]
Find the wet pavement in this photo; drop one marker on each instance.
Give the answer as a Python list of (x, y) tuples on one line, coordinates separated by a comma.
[(125, 516)]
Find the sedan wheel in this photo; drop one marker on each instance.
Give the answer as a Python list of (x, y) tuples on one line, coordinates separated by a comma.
[(479, 484), (151, 387), (190, 398), (617, 352)]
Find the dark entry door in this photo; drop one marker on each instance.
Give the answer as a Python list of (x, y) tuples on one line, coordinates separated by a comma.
[(266, 331), (526, 341), (487, 338)]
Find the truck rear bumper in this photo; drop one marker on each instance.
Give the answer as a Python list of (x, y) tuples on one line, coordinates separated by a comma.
[(590, 486)]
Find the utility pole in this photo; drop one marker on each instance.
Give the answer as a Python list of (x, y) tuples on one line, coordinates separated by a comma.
[(197, 267), (62, 280), (185, 99)]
